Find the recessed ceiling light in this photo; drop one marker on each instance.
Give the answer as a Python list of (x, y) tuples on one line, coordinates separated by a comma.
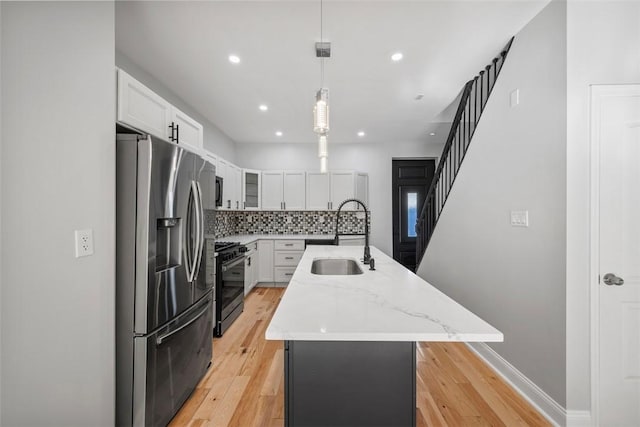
[(263, 107), (278, 133), (432, 134), (396, 57), (234, 59), (361, 134)]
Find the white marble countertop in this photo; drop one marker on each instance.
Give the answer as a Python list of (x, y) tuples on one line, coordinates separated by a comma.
[(388, 304), (245, 239)]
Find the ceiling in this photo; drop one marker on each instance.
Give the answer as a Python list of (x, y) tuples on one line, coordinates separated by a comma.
[(186, 46)]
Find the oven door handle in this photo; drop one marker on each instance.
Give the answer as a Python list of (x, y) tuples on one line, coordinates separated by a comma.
[(233, 264)]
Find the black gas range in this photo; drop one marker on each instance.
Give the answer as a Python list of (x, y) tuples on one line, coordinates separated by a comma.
[(229, 284)]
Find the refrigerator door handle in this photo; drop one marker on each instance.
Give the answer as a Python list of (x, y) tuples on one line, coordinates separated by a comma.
[(163, 337), (190, 250), (199, 231)]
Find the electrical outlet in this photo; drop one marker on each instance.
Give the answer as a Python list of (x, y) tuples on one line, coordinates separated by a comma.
[(519, 218), (84, 242)]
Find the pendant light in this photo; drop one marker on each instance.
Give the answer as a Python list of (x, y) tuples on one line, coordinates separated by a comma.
[(321, 107)]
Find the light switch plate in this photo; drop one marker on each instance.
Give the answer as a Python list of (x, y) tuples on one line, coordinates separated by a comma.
[(519, 218), (515, 97)]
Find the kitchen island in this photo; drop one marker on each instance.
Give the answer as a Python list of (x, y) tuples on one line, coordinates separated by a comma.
[(350, 340)]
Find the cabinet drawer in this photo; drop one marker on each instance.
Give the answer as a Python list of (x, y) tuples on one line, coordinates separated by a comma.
[(283, 274), (287, 258), (289, 245)]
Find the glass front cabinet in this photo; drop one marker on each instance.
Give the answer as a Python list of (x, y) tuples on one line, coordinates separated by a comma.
[(251, 183)]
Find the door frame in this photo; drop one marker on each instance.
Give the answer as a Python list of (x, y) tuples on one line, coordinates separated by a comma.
[(596, 93), (436, 160)]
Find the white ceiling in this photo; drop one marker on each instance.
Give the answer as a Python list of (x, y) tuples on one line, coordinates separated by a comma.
[(186, 46)]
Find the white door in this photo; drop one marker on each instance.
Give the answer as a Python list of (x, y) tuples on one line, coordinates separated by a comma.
[(294, 190), (272, 190), (238, 186), (616, 143), (188, 132), (317, 191), (342, 188)]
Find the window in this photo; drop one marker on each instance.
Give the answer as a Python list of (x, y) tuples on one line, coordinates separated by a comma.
[(412, 213)]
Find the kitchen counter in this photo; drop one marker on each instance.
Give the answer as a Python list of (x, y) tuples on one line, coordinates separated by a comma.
[(350, 341), (388, 304), (245, 239)]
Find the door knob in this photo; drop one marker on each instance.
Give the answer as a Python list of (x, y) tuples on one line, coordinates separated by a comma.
[(611, 279)]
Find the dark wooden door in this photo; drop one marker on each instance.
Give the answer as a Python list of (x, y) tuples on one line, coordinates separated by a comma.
[(410, 179)]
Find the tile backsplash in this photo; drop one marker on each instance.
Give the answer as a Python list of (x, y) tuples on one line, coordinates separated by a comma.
[(226, 223)]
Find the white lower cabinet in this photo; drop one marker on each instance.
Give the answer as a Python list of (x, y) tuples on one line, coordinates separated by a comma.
[(265, 262), (251, 267), (287, 254)]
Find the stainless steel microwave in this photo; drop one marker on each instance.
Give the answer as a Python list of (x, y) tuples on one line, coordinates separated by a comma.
[(219, 187)]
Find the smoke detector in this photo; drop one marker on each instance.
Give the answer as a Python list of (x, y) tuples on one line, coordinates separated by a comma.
[(323, 49)]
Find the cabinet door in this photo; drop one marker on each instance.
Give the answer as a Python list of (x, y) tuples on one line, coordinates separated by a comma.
[(247, 275), (188, 132), (294, 190), (362, 189), (141, 108), (251, 180), (238, 186), (265, 261), (224, 172), (342, 188), (255, 265), (272, 190), (317, 191)]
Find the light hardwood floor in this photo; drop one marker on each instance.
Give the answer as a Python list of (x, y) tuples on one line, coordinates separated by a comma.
[(244, 386)]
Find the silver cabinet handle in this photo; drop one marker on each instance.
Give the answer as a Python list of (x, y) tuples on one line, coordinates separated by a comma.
[(284, 204), (611, 280), (288, 257)]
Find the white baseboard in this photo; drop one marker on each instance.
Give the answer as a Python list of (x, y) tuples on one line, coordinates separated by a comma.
[(579, 419), (540, 400)]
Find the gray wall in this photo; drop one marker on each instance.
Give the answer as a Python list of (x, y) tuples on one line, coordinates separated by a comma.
[(58, 113), (375, 159), (214, 140), (602, 48), (515, 277)]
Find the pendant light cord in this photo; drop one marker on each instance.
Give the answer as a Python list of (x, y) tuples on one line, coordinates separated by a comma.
[(322, 57)]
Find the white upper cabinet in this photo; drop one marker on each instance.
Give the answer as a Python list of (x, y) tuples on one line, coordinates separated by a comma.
[(342, 187), (237, 182), (362, 189), (251, 186), (317, 191), (294, 190), (283, 190), (142, 108), (272, 190), (186, 131)]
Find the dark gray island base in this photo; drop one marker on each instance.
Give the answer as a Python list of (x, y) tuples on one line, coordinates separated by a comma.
[(350, 383)]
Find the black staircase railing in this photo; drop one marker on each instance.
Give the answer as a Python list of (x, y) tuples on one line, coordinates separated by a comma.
[(472, 102)]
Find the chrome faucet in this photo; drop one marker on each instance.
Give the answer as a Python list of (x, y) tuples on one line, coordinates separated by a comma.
[(367, 251)]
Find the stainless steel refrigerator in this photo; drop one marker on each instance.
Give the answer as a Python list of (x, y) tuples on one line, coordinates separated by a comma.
[(164, 290)]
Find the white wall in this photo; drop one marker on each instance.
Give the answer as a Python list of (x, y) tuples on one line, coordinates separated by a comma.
[(602, 47), (58, 174), (375, 159), (515, 277), (214, 140)]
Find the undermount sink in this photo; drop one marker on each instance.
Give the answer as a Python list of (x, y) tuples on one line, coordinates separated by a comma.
[(335, 267)]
